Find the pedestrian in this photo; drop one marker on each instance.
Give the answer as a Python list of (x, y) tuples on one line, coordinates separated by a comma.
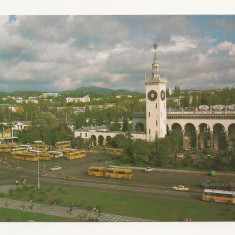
[(31, 204), (22, 206), (6, 202), (55, 203), (70, 209), (17, 182)]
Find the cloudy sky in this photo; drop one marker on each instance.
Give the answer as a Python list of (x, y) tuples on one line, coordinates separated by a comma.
[(55, 53)]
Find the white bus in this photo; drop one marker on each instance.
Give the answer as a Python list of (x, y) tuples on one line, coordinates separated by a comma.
[(212, 195)]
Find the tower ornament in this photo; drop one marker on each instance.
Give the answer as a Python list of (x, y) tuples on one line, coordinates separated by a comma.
[(152, 95), (155, 48)]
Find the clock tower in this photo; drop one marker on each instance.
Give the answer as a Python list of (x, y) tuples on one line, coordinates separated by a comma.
[(155, 102)]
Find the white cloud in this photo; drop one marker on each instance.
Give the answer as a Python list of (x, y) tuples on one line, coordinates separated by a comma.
[(65, 52), (179, 44)]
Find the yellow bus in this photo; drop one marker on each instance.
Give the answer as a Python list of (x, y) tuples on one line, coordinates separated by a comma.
[(19, 156), (212, 195), (96, 171), (75, 154), (19, 150), (32, 157), (41, 147), (5, 148), (14, 145), (45, 156), (119, 173), (63, 144), (42, 155), (114, 151), (55, 154)]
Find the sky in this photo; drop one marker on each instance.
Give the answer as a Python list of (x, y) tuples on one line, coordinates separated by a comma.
[(57, 53)]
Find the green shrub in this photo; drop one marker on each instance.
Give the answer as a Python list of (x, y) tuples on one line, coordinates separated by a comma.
[(196, 150), (208, 151)]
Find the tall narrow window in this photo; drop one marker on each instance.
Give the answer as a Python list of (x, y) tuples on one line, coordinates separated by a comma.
[(156, 123), (149, 114), (149, 131), (156, 106)]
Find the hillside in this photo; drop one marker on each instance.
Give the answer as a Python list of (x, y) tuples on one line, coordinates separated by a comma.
[(99, 90)]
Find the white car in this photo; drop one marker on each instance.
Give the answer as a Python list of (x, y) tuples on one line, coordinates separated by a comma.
[(180, 155), (148, 169), (56, 168)]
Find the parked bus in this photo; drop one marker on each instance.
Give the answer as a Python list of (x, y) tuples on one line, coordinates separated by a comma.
[(96, 171), (212, 195), (114, 151), (19, 150), (31, 156), (75, 154), (45, 156), (63, 144), (5, 148), (119, 173), (66, 150), (19, 156), (41, 147), (13, 145), (39, 142), (56, 154), (28, 146)]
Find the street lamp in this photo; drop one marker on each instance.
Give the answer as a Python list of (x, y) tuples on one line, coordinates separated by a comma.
[(38, 169)]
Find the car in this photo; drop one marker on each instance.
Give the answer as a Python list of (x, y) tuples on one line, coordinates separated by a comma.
[(180, 155), (180, 188), (70, 178), (56, 168), (148, 169)]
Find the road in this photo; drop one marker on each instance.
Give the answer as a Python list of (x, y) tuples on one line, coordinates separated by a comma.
[(124, 189), (96, 184)]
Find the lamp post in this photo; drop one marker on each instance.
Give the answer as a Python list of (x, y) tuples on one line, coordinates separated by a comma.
[(38, 169)]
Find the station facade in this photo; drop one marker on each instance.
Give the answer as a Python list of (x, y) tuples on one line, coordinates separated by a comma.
[(199, 129)]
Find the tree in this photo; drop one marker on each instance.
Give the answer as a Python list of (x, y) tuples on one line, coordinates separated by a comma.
[(171, 104), (187, 160), (46, 127), (195, 100), (185, 100), (125, 125), (161, 152), (80, 120), (115, 126), (119, 141), (80, 143)]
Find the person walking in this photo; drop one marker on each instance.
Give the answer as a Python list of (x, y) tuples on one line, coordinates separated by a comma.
[(6, 202), (70, 209), (31, 204)]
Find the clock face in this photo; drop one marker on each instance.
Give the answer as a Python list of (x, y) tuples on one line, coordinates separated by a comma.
[(163, 95), (152, 95)]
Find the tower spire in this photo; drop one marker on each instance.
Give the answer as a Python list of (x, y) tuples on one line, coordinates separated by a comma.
[(155, 50), (155, 65)]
